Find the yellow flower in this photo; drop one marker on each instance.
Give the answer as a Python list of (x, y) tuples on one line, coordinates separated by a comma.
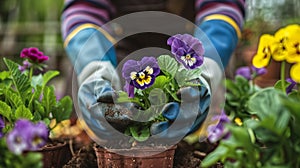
[(294, 72), (293, 46), (264, 52), (238, 121), (282, 36)]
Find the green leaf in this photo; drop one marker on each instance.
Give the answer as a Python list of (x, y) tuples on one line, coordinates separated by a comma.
[(168, 65), (193, 74), (267, 105), (39, 108), (157, 97), (63, 110), (213, 157), (160, 81), (35, 97), (21, 81), (5, 110), (37, 80), (4, 75), (140, 134), (49, 99), (48, 76), (14, 99), (23, 112), (278, 85)]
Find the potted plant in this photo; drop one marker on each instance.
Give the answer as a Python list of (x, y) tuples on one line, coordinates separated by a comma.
[(150, 84), (29, 110), (261, 125)]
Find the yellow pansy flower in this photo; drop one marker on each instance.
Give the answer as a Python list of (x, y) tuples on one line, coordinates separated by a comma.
[(282, 36), (264, 52), (293, 46), (295, 72)]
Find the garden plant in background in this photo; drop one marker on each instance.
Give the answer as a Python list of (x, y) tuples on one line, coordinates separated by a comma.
[(263, 131), (29, 109)]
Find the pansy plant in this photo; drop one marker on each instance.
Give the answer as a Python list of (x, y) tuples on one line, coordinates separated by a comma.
[(264, 122), (28, 104), (153, 81)]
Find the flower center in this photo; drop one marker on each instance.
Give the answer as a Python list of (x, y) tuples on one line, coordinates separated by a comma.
[(266, 51), (143, 77), (188, 60), (37, 140)]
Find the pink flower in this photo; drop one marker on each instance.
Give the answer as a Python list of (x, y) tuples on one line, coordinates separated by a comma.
[(34, 55)]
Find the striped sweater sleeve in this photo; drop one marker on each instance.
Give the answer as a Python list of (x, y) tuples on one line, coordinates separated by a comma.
[(86, 39), (222, 22), (79, 12)]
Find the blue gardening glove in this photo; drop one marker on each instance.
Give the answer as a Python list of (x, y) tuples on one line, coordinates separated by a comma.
[(186, 117), (97, 87), (94, 60)]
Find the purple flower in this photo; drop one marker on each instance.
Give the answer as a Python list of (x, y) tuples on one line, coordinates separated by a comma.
[(34, 55), (140, 74), (258, 71), (27, 136), (244, 71), (250, 72), (218, 131), (187, 49), (2, 125), (291, 85), (25, 66)]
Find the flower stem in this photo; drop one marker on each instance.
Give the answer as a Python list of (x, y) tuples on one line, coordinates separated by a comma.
[(282, 75), (30, 72)]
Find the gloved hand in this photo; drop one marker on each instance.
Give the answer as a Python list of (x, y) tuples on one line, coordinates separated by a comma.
[(183, 118), (97, 87)]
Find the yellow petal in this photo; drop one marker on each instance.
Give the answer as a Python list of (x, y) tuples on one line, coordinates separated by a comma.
[(260, 61), (293, 48), (264, 52), (295, 72)]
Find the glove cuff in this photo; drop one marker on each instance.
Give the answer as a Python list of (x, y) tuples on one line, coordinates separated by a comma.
[(99, 69)]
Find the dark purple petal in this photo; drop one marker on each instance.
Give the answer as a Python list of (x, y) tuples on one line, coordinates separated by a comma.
[(245, 72), (187, 49), (291, 86), (128, 67), (258, 71), (2, 125), (129, 89), (34, 55), (140, 74)]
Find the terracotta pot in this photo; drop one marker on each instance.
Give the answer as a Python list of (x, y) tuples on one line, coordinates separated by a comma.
[(56, 155), (108, 159)]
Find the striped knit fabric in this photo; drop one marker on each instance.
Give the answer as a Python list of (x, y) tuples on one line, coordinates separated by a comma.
[(98, 12), (213, 9), (78, 12)]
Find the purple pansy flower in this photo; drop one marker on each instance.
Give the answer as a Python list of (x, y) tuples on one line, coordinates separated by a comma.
[(244, 71), (140, 74), (250, 72), (291, 85), (2, 125), (187, 49), (217, 131), (34, 55), (27, 136)]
